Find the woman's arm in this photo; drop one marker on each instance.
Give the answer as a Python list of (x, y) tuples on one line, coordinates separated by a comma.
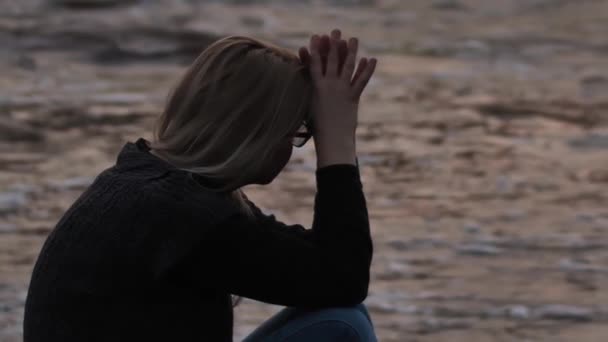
[(270, 222), (289, 265)]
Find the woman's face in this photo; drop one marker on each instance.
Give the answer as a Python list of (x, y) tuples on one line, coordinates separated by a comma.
[(279, 160)]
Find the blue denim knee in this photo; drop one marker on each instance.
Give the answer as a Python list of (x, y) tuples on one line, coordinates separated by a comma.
[(330, 324)]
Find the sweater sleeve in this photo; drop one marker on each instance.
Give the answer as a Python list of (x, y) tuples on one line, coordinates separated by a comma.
[(290, 265)]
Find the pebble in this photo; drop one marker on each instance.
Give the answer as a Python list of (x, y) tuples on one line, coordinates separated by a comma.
[(598, 176), (471, 228), (578, 266), (88, 3), (402, 245), (394, 271), (584, 217), (351, 2), (590, 142), (594, 86), (13, 130), (518, 312), (447, 5), (565, 312), (6, 227), (75, 183), (11, 201), (433, 324), (478, 249)]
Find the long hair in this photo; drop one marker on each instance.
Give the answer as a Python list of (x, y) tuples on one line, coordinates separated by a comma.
[(235, 104)]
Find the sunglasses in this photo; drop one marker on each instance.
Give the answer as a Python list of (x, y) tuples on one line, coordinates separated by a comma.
[(302, 135)]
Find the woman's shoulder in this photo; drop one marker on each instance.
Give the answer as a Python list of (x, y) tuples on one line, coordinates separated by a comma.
[(176, 191)]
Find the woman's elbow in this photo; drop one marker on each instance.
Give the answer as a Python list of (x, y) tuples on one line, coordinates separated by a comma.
[(357, 290)]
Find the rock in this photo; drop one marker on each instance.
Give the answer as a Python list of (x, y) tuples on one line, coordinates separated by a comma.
[(471, 228), (402, 245), (598, 176), (75, 183), (518, 312), (397, 270), (119, 98), (381, 307), (106, 111), (26, 62), (390, 307), (12, 130), (10, 202), (243, 2), (15, 198), (447, 5), (590, 142), (110, 45), (478, 249), (393, 271), (81, 4), (584, 281), (594, 86), (570, 112), (564, 312), (431, 48), (351, 2), (432, 324), (504, 184), (584, 218), (476, 46), (390, 302), (514, 214), (252, 21), (22, 187), (570, 265), (7, 227)]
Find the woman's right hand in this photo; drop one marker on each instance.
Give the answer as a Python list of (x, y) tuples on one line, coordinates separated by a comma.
[(336, 98)]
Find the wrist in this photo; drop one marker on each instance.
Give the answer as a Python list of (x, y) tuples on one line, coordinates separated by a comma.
[(337, 153)]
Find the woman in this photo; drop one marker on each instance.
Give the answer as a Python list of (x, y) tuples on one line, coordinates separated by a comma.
[(157, 245)]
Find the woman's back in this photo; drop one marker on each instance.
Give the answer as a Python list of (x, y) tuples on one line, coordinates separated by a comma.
[(100, 272)]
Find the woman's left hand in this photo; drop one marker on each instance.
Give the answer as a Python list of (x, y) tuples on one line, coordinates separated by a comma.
[(324, 51)]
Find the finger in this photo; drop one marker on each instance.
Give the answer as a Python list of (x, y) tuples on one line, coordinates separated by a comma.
[(324, 51), (335, 34), (332, 58), (324, 45), (342, 51), (315, 58), (365, 76), (360, 67), (304, 56), (349, 62)]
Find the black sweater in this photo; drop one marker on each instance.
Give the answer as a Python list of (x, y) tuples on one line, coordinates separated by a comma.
[(146, 254)]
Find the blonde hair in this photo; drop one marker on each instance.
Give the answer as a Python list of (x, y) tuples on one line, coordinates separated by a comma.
[(235, 104)]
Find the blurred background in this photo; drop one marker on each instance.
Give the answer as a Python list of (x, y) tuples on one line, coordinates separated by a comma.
[(483, 145)]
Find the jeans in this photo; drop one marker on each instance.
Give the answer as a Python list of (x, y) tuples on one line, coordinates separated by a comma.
[(321, 325)]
